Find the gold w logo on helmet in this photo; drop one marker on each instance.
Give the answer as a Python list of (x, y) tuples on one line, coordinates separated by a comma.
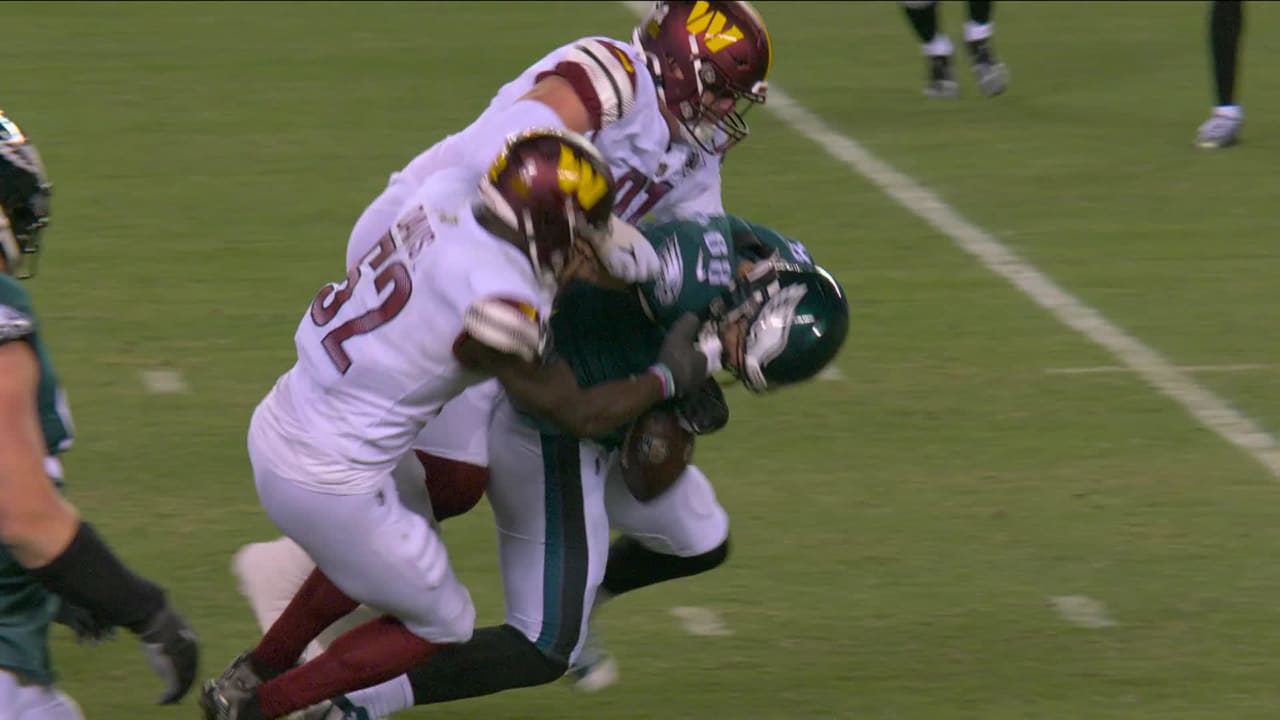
[(718, 33), (576, 175)]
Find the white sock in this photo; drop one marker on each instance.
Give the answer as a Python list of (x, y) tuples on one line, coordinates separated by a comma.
[(1234, 112), (381, 701), (939, 45), (973, 32)]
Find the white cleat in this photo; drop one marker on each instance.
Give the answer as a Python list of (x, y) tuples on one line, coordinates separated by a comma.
[(595, 669), (1221, 130)]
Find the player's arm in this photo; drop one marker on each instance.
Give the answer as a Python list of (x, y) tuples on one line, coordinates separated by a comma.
[(66, 555), (36, 523), (502, 341), (590, 88)]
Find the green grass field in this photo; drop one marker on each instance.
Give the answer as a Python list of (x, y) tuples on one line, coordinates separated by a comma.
[(900, 533)]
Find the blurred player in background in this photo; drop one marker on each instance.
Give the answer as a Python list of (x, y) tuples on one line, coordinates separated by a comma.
[(1226, 25), (991, 75), (54, 567)]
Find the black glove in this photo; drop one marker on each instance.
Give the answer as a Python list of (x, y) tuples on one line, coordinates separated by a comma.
[(171, 648), (88, 628), (705, 410), (688, 365)]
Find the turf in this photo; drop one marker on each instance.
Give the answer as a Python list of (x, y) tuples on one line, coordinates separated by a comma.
[(900, 533)]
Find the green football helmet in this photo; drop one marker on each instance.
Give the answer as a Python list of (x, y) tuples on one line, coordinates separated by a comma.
[(799, 318), (24, 199)]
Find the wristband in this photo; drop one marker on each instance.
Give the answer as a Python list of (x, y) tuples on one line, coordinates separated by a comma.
[(663, 373)]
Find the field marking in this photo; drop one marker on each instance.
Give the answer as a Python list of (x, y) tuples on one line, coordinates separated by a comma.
[(1082, 610), (1239, 367), (701, 621), (160, 381), (1202, 404), (831, 373)]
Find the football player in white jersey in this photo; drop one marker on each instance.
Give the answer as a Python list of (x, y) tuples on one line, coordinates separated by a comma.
[(452, 294), (662, 109)]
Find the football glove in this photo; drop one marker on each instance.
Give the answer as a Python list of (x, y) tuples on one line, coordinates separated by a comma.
[(170, 646), (87, 627), (704, 410), (682, 358), (626, 254)]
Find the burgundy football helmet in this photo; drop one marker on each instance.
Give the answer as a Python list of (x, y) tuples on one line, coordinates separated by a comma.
[(549, 189), (710, 61)]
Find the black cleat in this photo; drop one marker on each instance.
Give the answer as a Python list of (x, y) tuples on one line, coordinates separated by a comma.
[(991, 74), (940, 81)]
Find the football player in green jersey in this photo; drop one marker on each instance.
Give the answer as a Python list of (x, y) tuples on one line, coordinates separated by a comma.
[(773, 318), (53, 565)]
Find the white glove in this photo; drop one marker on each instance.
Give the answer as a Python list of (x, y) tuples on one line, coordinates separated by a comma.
[(626, 254)]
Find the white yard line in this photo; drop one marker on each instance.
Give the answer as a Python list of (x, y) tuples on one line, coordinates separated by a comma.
[(1239, 367), (1082, 610), (1199, 402), (831, 373), (163, 382), (701, 621)]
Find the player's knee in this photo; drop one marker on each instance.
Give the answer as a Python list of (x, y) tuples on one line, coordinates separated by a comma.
[(455, 487), (453, 619), (496, 659)]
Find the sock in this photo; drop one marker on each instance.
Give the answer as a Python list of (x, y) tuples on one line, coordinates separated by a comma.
[(494, 659), (379, 701), (940, 46), (980, 12), (924, 20), (454, 486), (370, 654), (632, 565), (1226, 25), (316, 606), (977, 32)]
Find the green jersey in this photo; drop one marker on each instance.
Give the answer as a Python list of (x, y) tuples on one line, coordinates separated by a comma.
[(610, 335), (26, 608)]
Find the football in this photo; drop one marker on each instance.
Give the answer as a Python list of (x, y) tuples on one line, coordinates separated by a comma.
[(654, 453)]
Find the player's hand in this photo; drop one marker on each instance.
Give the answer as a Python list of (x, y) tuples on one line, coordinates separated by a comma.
[(680, 354), (704, 410), (626, 254), (88, 628), (171, 647)]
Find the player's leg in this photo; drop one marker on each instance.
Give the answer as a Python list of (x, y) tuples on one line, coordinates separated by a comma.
[(940, 81), (1226, 25), (369, 548), (991, 74), (271, 573), (26, 701), (454, 449), (683, 532), (547, 495)]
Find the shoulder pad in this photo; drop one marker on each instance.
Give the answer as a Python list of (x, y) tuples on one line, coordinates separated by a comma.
[(14, 324), (507, 326), (604, 76)]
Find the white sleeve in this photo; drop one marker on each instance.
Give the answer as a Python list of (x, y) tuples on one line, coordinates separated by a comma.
[(696, 197), (485, 138)]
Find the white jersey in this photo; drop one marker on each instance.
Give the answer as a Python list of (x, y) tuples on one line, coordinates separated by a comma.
[(375, 352), (656, 174)]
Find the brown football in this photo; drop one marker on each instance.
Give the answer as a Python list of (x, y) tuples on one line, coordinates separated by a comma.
[(654, 453)]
